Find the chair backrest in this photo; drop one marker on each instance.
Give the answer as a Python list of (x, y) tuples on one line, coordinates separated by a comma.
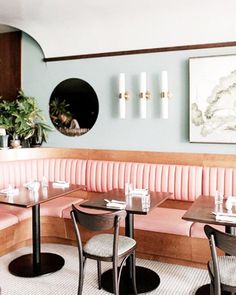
[(98, 222), (223, 241)]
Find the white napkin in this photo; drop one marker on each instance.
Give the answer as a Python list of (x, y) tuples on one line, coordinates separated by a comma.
[(115, 204), (33, 185), (9, 191), (61, 184), (225, 218), (227, 214)]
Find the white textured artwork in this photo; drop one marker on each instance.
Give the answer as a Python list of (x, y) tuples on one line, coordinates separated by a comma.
[(213, 99)]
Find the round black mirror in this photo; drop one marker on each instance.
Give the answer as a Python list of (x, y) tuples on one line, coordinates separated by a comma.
[(73, 107)]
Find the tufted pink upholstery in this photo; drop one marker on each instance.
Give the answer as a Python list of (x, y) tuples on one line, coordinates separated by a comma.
[(185, 182), (221, 179), (19, 172)]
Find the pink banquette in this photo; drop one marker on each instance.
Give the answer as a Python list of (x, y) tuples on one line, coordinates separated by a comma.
[(162, 234)]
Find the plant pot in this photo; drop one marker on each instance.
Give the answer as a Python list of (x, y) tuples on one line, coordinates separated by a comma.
[(15, 143), (35, 141), (4, 141)]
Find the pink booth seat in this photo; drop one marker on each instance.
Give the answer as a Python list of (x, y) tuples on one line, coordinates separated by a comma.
[(19, 212), (163, 220), (7, 220), (197, 230), (54, 208)]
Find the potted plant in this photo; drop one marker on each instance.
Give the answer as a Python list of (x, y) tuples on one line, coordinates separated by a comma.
[(21, 118), (38, 134), (7, 118), (3, 138), (36, 129)]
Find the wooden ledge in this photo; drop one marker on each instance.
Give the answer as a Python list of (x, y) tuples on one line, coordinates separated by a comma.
[(211, 160)]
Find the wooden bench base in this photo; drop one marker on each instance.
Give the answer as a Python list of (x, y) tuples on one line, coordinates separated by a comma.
[(151, 245)]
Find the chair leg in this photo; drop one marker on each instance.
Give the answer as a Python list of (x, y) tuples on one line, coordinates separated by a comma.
[(81, 275), (99, 274), (211, 289), (115, 278), (134, 274)]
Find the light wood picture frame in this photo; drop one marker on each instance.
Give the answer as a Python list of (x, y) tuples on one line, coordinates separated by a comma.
[(212, 99)]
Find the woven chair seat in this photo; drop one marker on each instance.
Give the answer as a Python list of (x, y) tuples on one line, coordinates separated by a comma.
[(102, 245), (227, 266)]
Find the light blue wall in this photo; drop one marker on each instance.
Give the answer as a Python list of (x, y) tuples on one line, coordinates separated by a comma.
[(110, 132)]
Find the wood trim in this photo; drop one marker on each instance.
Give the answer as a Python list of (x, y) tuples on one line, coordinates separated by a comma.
[(42, 153), (10, 64), (175, 158), (141, 51)]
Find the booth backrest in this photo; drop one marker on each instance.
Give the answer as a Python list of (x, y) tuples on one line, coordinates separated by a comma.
[(19, 172), (221, 179), (185, 182)]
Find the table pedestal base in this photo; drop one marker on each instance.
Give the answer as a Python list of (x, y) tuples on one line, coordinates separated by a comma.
[(205, 290), (146, 279), (23, 265)]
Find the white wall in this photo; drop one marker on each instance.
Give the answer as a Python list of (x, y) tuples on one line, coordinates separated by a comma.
[(110, 132)]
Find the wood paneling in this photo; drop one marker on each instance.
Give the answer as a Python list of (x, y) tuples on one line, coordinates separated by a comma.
[(10, 64), (212, 160)]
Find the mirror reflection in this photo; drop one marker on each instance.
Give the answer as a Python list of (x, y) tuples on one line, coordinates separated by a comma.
[(73, 107)]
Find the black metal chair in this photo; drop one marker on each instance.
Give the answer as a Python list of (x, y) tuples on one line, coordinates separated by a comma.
[(103, 246), (222, 269)]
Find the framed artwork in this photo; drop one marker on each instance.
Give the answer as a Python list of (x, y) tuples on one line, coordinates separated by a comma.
[(212, 94)]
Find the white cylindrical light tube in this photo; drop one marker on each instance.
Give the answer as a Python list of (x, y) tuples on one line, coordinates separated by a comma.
[(122, 107), (122, 83), (143, 100), (164, 98), (164, 81), (122, 103)]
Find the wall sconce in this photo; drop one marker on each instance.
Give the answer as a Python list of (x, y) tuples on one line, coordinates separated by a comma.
[(165, 95), (144, 95), (123, 96)]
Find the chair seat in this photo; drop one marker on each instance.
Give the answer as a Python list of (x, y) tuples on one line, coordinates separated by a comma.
[(227, 266), (102, 245)]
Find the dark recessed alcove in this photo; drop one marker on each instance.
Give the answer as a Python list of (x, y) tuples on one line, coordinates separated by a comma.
[(73, 99)]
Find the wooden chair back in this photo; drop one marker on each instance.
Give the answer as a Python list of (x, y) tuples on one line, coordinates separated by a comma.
[(223, 241), (98, 222)]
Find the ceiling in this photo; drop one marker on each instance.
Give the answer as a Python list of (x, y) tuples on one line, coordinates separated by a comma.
[(76, 27)]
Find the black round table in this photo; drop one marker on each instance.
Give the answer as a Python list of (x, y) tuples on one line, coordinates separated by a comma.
[(146, 281), (24, 266)]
